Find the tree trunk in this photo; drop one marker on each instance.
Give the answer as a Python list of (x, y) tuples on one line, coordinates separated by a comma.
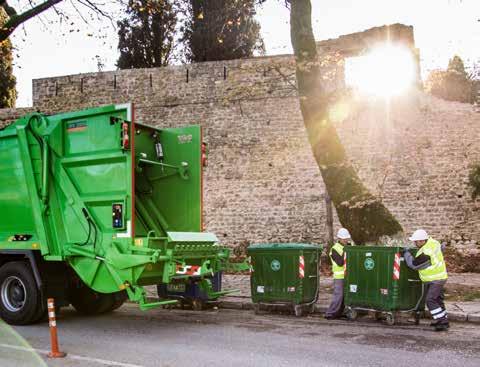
[(358, 210), (328, 207)]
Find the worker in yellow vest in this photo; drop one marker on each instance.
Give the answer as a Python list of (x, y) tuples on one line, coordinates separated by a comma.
[(335, 310), (432, 269)]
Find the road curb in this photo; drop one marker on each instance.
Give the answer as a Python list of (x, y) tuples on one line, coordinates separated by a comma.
[(458, 316), (320, 309), (475, 318)]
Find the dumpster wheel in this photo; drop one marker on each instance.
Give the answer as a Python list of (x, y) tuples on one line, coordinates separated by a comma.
[(352, 314), (198, 304), (418, 316), (390, 319), (298, 309)]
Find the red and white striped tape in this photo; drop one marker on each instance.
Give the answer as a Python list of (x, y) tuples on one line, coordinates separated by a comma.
[(301, 267), (188, 270), (396, 267)]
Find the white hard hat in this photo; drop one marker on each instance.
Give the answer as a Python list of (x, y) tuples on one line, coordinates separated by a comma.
[(343, 234), (419, 235)]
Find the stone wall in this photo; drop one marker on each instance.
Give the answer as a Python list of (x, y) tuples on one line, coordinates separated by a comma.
[(354, 44), (262, 183), (8, 115)]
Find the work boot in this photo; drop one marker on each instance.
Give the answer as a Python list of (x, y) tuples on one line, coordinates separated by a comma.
[(335, 317), (442, 326)]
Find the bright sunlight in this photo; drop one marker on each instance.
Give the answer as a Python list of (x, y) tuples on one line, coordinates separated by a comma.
[(386, 71)]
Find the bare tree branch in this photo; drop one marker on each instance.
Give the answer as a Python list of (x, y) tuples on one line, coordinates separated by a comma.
[(78, 12), (285, 77), (8, 9), (95, 8), (17, 19)]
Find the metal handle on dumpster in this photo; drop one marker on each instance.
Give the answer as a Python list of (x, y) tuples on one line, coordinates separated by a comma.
[(420, 299), (318, 283)]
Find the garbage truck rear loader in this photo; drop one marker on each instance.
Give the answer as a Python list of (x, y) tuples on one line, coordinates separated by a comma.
[(94, 206)]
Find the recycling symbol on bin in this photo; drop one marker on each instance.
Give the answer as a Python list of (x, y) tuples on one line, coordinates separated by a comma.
[(369, 263), (275, 265)]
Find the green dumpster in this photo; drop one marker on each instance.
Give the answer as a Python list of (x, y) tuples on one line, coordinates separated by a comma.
[(377, 279), (285, 274)]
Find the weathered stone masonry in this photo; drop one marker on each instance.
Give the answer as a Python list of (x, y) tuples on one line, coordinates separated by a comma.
[(262, 183)]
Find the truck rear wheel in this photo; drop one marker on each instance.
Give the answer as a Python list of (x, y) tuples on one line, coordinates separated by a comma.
[(20, 298), (119, 300), (88, 302)]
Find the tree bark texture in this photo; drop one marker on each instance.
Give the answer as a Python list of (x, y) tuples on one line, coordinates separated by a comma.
[(329, 209)]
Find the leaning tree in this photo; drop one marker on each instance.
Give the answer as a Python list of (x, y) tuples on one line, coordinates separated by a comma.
[(358, 209)]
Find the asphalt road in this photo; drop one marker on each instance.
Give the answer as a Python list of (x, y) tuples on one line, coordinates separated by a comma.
[(130, 338)]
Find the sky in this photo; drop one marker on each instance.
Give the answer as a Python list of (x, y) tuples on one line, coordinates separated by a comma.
[(442, 28)]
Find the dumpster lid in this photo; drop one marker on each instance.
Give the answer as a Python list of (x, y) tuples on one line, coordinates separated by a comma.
[(284, 246)]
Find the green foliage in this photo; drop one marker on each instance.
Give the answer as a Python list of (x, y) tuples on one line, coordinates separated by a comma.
[(452, 84), (146, 34), (455, 64), (474, 181), (221, 30), (8, 93)]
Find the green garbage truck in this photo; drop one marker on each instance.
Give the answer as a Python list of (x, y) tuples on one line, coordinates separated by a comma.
[(94, 207)]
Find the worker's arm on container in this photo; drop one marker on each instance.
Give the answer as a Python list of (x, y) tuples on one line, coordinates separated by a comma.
[(417, 263), (337, 258)]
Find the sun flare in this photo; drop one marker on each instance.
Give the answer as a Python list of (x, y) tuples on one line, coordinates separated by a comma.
[(384, 72)]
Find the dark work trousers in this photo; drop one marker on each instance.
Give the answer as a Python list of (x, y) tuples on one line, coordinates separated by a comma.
[(435, 300), (336, 306)]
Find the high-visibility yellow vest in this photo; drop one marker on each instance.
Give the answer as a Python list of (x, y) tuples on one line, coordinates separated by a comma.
[(338, 271), (438, 269)]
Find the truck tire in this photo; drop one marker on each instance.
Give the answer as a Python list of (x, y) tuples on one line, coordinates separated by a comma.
[(20, 298), (88, 302), (119, 299), (42, 314)]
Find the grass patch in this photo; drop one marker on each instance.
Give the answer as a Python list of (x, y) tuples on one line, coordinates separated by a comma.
[(462, 294)]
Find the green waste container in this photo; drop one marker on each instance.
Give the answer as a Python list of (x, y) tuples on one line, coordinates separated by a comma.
[(377, 279), (285, 274)]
